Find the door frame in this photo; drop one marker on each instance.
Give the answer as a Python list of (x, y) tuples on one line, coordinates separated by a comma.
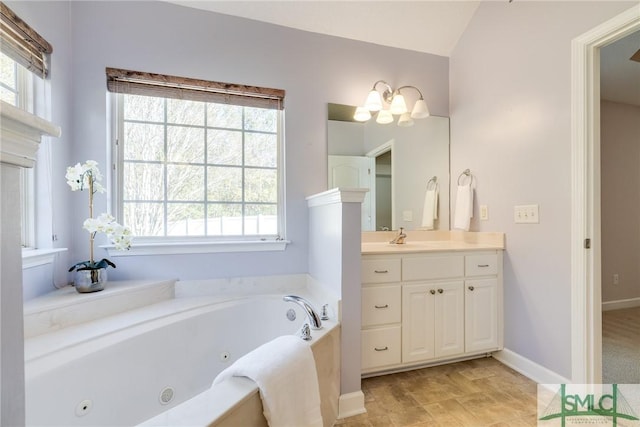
[(586, 294)]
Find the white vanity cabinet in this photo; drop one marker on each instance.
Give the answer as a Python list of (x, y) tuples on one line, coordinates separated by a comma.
[(419, 308)]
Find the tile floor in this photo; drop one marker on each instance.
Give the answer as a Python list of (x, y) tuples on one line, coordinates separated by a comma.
[(480, 392)]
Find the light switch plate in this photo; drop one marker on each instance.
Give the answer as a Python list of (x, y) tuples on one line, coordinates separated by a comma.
[(407, 215), (484, 212), (526, 214)]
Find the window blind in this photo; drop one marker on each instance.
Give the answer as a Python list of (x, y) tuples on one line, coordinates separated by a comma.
[(22, 43), (160, 85)]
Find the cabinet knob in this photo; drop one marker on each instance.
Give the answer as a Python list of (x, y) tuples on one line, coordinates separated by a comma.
[(483, 265), (381, 349), (440, 291), (380, 271), (432, 292), (471, 288), (382, 306)]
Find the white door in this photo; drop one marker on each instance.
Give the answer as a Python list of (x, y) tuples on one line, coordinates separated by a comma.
[(355, 172), (481, 315)]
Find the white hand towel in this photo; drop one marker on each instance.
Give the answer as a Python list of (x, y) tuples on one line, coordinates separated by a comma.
[(464, 207), (430, 208), (285, 372)]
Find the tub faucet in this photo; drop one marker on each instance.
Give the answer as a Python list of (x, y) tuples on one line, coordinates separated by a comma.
[(399, 239), (314, 318)]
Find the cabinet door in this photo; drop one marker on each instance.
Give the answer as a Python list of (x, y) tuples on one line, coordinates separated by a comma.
[(449, 319), (481, 315), (417, 322)]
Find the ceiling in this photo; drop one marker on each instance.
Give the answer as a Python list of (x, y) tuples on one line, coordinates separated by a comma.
[(426, 26)]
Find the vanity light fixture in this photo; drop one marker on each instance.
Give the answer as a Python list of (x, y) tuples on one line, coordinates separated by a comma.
[(398, 106), (384, 117), (405, 120), (362, 114)]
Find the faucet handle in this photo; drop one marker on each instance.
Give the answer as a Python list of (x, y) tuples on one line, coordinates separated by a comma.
[(325, 312), (305, 332)]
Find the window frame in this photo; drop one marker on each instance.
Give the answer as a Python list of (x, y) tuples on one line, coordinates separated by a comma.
[(24, 99), (153, 245)]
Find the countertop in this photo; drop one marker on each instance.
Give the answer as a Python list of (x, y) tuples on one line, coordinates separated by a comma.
[(425, 241)]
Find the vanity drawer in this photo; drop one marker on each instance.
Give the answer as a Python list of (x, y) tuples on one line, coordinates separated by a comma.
[(381, 347), (433, 267), (481, 265), (380, 270), (381, 305)]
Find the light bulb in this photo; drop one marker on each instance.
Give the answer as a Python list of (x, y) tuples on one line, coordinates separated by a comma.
[(384, 117), (362, 114), (420, 110), (374, 101), (398, 106), (405, 120)]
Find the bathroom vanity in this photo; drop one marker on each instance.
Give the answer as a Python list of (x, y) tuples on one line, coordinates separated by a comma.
[(435, 298)]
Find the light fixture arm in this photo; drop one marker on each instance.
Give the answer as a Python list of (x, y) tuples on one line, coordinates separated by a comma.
[(412, 87), (388, 92)]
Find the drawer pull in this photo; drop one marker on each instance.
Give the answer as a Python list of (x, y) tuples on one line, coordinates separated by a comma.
[(381, 349), (433, 292), (440, 291), (382, 306), (483, 265), (380, 271), (471, 288)]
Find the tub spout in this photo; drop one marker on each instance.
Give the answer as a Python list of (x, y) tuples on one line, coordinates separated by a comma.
[(314, 318)]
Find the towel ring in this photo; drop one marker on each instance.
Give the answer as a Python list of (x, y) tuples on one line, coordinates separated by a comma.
[(433, 180), (464, 173)]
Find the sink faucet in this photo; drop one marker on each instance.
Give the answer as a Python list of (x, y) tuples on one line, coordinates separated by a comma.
[(314, 318), (399, 239)]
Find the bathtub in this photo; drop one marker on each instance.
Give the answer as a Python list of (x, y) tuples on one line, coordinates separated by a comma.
[(154, 365)]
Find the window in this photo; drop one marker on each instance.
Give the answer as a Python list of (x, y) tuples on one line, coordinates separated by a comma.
[(203, 167), (16, 85), (23, 55)]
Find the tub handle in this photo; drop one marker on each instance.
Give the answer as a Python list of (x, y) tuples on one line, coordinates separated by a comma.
[(325, 312), (305, 332)]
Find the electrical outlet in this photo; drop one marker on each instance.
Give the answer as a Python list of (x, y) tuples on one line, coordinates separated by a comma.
[(484, 212), (526, 214), (616, 279), (407, 215)]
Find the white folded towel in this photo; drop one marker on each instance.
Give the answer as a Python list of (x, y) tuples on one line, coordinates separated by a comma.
[(464, 207), (430, 208), (285, 372)]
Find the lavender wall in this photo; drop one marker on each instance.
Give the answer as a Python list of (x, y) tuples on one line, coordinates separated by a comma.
[(620, 176), (511, 125), (313, 69)]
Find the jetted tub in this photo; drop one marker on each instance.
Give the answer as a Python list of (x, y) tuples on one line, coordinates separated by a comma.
[(155, 364)]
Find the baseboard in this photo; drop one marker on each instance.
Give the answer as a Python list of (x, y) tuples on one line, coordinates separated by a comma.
[(621, 303), (351, 404), (529, 368)]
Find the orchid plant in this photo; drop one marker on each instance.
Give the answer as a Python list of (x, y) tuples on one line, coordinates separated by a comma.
[(88, 176)]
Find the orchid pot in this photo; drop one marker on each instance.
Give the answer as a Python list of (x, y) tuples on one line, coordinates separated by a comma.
[(91, 276)]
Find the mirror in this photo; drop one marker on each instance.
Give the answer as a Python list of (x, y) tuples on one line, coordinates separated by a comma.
[(397, 165)]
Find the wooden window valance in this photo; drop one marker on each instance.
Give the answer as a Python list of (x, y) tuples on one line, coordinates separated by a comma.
[(159, 85), (22, 43)]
